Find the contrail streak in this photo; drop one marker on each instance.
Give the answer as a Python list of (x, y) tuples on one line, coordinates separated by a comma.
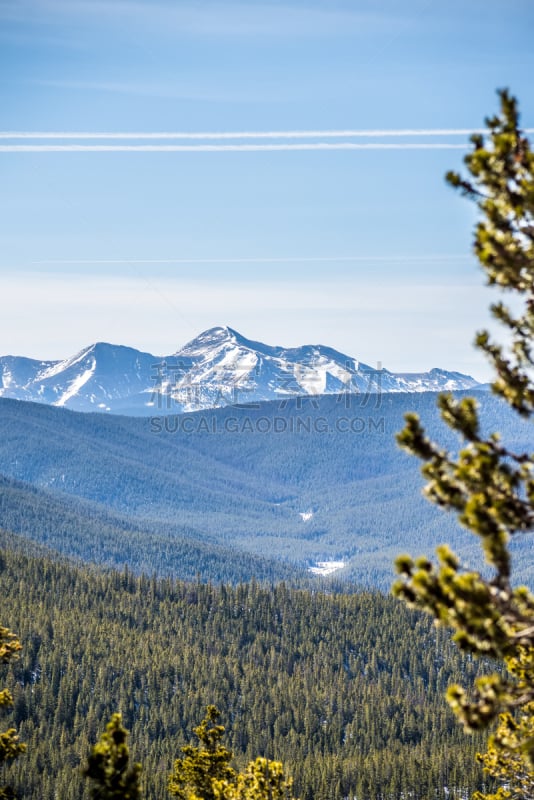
[(256, 260), (219, 148), (329, 134)]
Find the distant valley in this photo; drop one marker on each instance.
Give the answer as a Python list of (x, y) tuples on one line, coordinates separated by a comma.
[(233, 493)]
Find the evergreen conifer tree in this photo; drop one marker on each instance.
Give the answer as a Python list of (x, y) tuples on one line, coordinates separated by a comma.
[(109, 766), (10, 747), (194, 775), (205, 773), (488, 485)]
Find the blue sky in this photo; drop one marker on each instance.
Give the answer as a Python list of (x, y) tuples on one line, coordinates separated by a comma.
[(365, 250)]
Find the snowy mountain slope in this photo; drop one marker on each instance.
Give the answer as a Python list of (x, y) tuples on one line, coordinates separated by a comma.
[(88, 381), (95, 377), (19, 373), (219, 367), (222, 367)]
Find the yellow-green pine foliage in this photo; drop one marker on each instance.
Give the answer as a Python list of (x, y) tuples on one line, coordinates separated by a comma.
[(508, 759), (487, 484), (200, 767), (205, 773), (261, 780), (108, 768), (10, 746)]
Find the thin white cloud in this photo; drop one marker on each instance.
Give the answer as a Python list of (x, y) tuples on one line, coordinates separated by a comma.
[(49, 293), (260, 260), (355, 316), (223, 135), (220, 148), (210, 18), (172, 91), (228, 141)]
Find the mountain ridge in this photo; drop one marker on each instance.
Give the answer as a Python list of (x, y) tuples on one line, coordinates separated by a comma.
[(219, 367)]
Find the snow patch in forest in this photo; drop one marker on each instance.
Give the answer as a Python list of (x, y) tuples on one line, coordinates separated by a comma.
[(326, 567)]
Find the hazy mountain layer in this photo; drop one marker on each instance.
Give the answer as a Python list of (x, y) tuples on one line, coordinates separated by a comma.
[(218, 368), (305, 481)]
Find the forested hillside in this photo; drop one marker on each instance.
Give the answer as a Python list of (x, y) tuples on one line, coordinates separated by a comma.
[(90, 532), (291, 483), (346, 689)]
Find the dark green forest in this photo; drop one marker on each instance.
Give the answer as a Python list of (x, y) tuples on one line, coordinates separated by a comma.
[(346, 689), (90, 532), (154, 572)]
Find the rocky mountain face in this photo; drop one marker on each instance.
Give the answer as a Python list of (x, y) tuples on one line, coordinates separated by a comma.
[(219, 367)]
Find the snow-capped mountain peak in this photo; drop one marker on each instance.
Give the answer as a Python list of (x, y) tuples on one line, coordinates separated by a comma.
[(213, 337), (216, 368)]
